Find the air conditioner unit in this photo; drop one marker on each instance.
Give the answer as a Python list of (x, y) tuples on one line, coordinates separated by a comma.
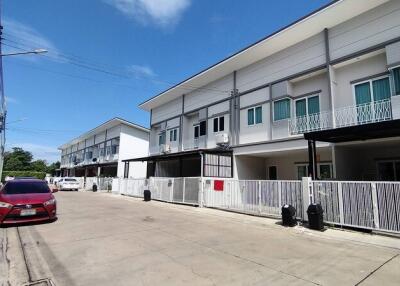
[(222, 138), (165, 148)]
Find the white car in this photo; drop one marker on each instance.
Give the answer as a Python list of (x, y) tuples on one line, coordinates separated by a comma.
[(65, 184)]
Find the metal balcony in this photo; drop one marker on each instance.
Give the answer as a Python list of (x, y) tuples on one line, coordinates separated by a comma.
[(342, 117)]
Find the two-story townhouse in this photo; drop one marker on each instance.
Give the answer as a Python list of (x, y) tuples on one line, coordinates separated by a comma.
[(101, 151), (327, 77)]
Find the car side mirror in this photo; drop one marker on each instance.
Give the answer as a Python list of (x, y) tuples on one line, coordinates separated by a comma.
[(54, 190)]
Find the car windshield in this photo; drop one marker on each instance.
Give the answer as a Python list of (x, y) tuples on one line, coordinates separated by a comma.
[(13, 188), (70, 180)]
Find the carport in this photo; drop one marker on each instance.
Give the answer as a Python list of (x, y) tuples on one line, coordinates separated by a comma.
[(379, 135)]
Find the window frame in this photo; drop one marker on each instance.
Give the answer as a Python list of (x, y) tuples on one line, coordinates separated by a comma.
[(371, 88), (296, 165), (254, 108), (160, 136), (392, 82), (173, 135), (217, 120), (273, 109), (306, 98)]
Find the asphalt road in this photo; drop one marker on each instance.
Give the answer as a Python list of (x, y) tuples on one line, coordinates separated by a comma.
[(103, 239)]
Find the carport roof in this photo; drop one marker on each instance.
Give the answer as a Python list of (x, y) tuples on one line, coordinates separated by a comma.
[(178, 155), (384, 129)]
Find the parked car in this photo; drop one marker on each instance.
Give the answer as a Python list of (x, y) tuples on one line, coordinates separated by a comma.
[(27, 200), (68, 184)]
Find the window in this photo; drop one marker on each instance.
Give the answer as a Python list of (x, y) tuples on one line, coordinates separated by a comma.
[(203, 128), (254, 115), (161, 138), (396, 80), (324, 171), (196, 131), (281, 109), (219, 123), (307, 106), (389, 170), (372, 90), (173, 135), (200, 129), (272, 173), (115, 146)]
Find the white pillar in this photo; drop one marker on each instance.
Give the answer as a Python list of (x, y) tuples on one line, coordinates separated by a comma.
[(308, 197)]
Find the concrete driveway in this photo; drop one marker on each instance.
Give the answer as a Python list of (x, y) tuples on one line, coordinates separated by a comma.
[(103, 239)]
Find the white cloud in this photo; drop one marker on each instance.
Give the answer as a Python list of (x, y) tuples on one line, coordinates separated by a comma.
[(141, 71), (164, 13), (43, 152), (26, 37)]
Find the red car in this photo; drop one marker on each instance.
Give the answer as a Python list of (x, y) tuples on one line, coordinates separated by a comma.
[(27, 200)]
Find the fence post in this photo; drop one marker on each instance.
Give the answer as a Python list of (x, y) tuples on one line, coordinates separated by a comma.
[(279, 194), (259, 196), (201, 192), (340, 198), (375, 204), (183, 190), (171, 192), (308, 195)]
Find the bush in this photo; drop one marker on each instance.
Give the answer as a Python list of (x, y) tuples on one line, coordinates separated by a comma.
[(39, 175)]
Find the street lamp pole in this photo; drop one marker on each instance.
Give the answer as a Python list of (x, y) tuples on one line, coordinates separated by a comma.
[(36, 52), (3, 110)]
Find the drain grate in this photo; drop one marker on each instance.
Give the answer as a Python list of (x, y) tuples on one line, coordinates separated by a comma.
[(41, 282)]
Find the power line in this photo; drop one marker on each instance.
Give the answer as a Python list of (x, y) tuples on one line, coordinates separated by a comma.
[(117, 71)]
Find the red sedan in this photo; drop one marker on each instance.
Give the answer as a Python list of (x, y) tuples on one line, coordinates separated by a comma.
[(28, 200)]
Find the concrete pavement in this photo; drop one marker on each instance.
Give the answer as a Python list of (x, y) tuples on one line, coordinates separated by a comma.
[(103, 239)]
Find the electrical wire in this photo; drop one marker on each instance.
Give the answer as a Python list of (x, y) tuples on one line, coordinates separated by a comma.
[(103, 68)]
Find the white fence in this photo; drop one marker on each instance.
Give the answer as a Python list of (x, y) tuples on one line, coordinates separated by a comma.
[(173, 190), (367, 205), (103, 183), (254, 197)]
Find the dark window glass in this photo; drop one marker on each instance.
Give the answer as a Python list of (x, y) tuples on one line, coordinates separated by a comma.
[(272, 174), (221, 123), (196, 131), (13, 188), (203, 128), (215, 124)]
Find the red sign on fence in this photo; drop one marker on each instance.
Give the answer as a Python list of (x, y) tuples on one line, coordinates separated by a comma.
[(218, 185)]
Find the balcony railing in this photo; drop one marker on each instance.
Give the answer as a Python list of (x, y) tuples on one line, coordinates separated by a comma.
[(342, 117)]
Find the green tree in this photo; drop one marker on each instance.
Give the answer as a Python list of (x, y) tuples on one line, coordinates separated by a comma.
[(38, 166), (51, 169), (17, 160)]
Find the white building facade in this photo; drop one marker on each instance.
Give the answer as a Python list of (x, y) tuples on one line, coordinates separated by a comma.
[(100, 152), (320, 96)]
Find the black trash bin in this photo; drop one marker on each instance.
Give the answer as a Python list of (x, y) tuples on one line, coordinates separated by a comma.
[(147, 195), (315, 216), (94, 188), (288, 215)]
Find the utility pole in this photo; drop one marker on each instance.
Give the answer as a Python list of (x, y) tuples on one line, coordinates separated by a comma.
[(3, 110)]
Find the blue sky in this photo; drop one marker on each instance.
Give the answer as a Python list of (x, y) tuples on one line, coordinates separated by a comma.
[(107, 56)]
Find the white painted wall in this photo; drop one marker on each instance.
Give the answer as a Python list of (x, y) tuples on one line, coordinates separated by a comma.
[(302, 56), (166, 111), (134, 143), (344, 75), (368, 29), (318, 82), (212, 92), (257, 132), (211, 138), (286, 162)]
